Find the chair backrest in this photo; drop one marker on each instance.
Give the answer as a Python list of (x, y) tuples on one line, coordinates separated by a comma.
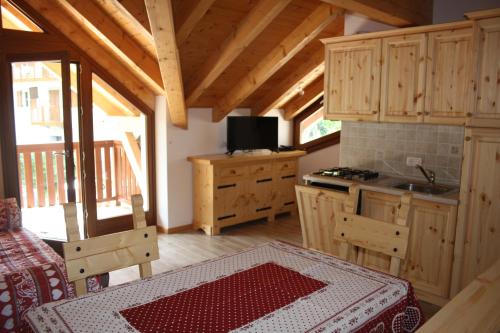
[(102, 254), (366, 233)]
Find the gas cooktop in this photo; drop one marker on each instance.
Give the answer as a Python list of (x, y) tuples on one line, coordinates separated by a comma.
[(347, 173)]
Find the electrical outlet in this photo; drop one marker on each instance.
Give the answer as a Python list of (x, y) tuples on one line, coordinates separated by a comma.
[(413, 161)]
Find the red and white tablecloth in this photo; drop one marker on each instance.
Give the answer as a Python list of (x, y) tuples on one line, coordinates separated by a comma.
[(273, 287)]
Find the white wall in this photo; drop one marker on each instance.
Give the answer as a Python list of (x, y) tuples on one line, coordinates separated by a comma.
[(174, 172), (320, 159), (358, 24), (453, 10)]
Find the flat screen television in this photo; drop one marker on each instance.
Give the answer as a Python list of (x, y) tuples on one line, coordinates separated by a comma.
[(248, 133)]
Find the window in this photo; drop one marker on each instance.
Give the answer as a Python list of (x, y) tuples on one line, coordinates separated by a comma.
[(312, 132)]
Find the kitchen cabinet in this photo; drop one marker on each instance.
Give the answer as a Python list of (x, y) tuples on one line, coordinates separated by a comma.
[(450, 81), (352, 84), (431, 245), (317, 212), (478, 229), (487, 113), (234, 189), (403, 78), (427, 74)]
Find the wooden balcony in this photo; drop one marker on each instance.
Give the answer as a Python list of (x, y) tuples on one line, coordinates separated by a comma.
[(42, 174)]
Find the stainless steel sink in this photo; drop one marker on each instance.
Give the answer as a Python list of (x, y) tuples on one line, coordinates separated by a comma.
[(426, 188)]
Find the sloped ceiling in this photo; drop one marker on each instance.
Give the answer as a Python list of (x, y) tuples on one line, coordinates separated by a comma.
[(219, 54)]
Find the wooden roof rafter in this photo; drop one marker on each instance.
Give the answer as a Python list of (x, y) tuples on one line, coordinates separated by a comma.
[(308, 96), (248, 29), (161, 21), (295, 41)]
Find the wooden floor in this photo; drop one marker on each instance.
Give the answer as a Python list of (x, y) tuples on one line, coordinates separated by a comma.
[(183, 249)]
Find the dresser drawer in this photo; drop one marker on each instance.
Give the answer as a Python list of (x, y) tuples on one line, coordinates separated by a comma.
[(229, 172), (285, 166), (258, 170)]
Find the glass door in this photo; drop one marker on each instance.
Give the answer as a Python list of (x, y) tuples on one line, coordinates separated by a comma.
[(44, 106)]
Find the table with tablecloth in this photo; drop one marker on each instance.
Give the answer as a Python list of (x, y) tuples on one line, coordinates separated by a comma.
[(273, 287)]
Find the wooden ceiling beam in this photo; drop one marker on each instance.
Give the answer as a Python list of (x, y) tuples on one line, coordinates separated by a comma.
[(300, 102), (290, 86), (186, 27), (250, 27), (57, 16), (276, 58), (397, 13), (116, 40), (129, 24), (161, 21)]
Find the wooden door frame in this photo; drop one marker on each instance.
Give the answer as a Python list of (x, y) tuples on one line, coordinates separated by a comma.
[(52, 40)]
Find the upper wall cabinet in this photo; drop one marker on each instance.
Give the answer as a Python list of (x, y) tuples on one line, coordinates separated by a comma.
[(440, 74), (403, 78), (488, 56), (353, 80), (449, 85)]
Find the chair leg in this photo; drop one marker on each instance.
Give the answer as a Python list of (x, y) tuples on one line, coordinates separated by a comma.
[(81, 287)]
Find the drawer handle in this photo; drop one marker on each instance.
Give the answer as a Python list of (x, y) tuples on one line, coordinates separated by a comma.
[(262, 209), (290, 176), (289, 203), (226, 217), (264, 180), (225, 186)]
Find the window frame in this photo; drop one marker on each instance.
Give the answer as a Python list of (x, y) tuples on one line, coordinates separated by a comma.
[(314, 145)]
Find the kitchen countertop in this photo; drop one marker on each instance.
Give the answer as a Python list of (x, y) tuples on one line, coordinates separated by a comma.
[(384, 184)]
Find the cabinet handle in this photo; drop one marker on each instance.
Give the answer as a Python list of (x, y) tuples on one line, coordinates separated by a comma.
[(264, 180), (262, 209), (289, 203), (226, 217), (290, 176), (225, 186)]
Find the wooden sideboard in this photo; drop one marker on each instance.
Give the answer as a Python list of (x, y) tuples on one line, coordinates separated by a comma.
[(234, 189)]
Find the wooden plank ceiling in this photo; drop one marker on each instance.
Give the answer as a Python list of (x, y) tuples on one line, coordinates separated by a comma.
[(217, 54)]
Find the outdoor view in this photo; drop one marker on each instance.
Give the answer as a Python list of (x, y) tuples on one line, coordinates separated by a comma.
[(119, 136), (315, 127)]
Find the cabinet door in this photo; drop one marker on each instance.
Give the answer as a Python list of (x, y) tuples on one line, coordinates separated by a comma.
[(262, 195), (317, 212), (284, 191), (403, 78), (230, 200), (487, 113), (449, 81), (479, 217), (430, 249), (353, 80)]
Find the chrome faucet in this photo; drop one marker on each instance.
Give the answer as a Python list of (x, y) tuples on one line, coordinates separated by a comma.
[(428, 174)]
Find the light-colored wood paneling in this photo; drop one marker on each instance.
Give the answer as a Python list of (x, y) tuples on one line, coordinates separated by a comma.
[(449, 80), (487, 113), (403, 78), (300, 102), (352, 80), (479, 222)]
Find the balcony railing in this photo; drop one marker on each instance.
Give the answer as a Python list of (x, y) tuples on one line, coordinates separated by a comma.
[(42, 174)]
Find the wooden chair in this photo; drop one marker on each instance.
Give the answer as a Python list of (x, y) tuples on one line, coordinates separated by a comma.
[(102, 254), (359, 232)]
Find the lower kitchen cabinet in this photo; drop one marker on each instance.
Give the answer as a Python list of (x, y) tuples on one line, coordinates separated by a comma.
[(430, 250), (317, 209)]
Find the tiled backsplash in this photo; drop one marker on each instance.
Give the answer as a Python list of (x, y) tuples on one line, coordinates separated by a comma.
[(385, 146)]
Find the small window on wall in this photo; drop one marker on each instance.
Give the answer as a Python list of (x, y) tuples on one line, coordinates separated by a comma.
[(312, 131), (14, 19)]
